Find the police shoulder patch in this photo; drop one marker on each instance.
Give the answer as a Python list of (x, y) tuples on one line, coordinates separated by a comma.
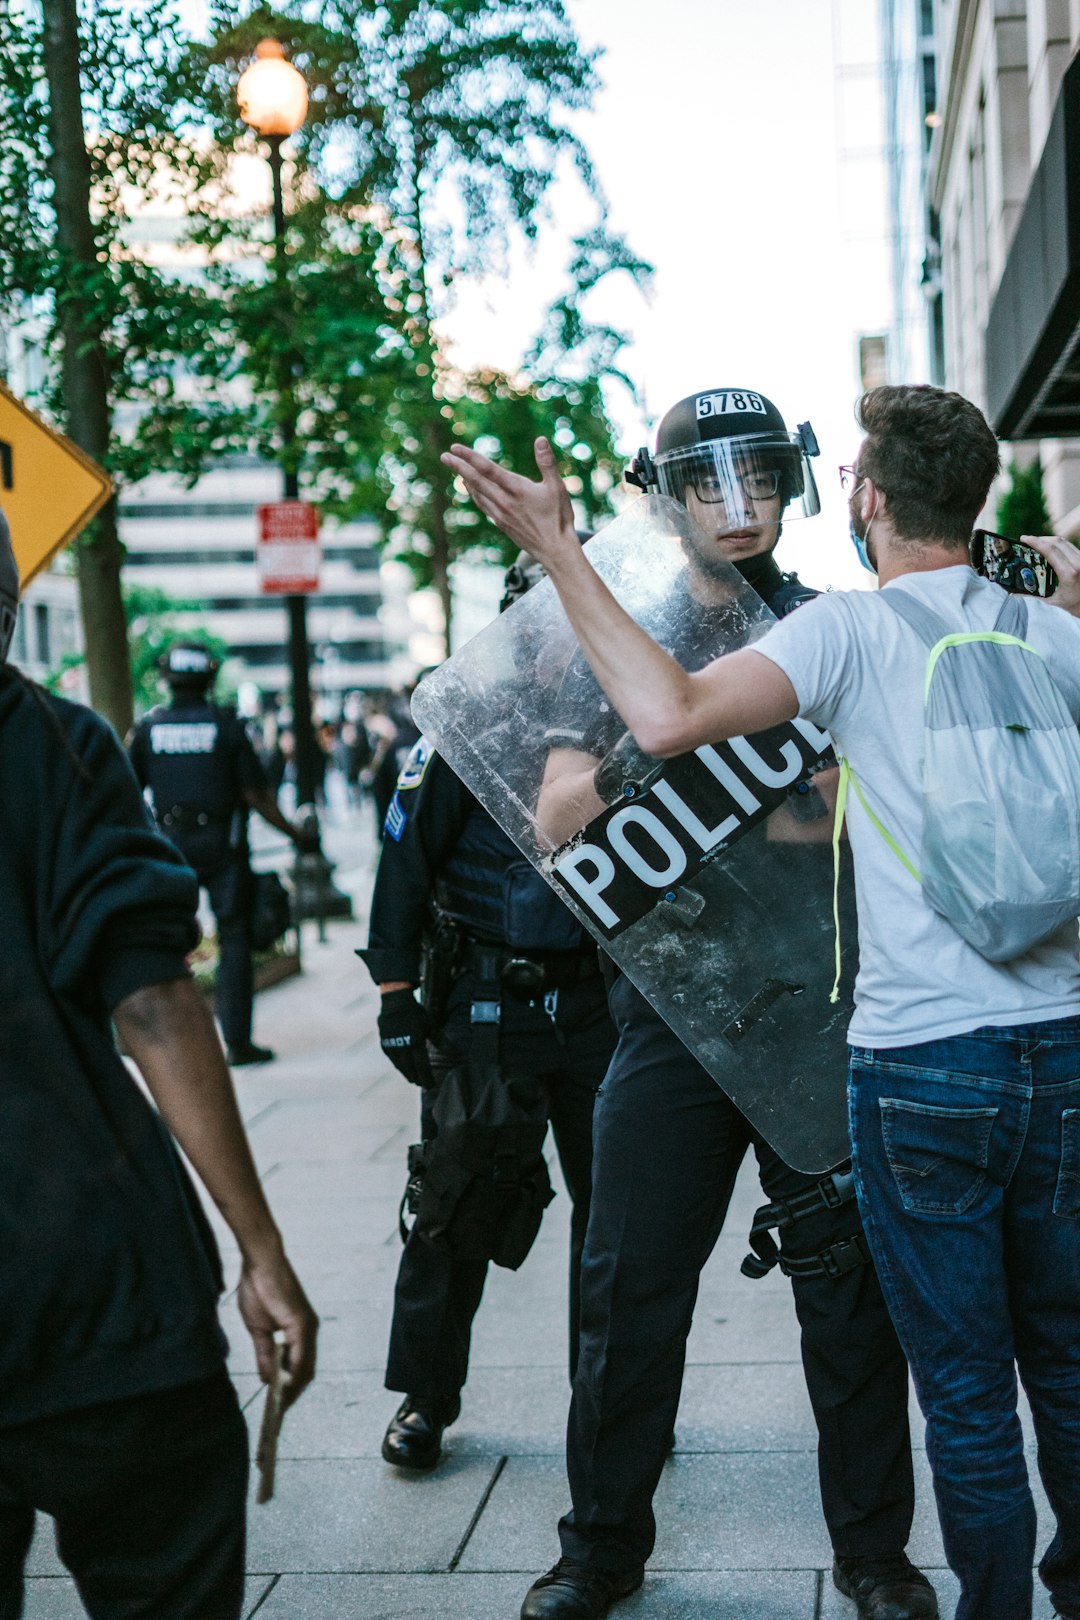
[(396, 820), (412, 772)]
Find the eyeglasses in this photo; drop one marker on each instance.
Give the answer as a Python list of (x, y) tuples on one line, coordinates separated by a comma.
[(850, 479), (756, 486)]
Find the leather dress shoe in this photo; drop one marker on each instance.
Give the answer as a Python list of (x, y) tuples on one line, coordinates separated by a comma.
[(414, 1437), (886, 1587), (248, 1053), (572, 1591)]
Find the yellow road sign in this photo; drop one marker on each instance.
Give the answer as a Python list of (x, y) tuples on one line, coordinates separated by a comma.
[(49, 488)]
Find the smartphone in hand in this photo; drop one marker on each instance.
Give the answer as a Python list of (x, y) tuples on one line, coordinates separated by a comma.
[(1017, 568)]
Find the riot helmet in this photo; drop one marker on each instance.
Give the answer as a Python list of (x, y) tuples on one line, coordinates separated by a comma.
[(189, 666), (9, 589), (731, 450)]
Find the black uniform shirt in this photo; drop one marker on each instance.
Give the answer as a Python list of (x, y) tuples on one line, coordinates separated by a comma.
[(108, 1273), (426, 819)]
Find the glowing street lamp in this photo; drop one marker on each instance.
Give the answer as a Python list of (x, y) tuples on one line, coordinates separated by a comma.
[(272, 96)]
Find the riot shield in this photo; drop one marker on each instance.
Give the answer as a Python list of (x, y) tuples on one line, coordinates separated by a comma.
[(707, 878)]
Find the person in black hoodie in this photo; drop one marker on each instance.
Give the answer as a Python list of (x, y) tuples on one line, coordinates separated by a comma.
[(116, 1413)]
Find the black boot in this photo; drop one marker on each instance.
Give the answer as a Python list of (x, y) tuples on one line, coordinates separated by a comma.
[(573, 1591), (886, 1587), (414, 1437)]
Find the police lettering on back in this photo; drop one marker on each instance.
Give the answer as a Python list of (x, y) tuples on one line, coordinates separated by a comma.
[(168, 737)]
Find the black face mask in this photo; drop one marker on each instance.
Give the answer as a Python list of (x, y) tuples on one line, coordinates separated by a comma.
[(760, 573)]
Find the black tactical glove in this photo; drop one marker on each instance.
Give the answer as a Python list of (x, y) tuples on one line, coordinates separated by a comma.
[(403, 1029)]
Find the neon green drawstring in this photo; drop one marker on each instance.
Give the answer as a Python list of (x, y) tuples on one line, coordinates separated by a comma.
[(837, 828), (847, 775)]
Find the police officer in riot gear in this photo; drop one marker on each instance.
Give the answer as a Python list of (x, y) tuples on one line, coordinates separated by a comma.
[(668, 1143), (204, 776), (511, 1030)]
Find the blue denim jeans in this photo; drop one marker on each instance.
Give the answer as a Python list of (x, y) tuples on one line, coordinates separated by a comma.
[(967, 1168)]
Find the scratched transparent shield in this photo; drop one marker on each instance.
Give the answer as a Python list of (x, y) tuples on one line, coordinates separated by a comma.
[(707, 878)]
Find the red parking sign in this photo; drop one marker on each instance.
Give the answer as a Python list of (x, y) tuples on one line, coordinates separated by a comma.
[(288, 552)]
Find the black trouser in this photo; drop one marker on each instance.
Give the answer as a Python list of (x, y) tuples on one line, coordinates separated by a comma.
[(148, 1497), (230, 890), (438, 1293), (667, 1148)]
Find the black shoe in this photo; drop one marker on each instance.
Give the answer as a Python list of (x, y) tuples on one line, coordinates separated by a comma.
[(414, 1438), (573, 1591), (248, 1053), (886, 1587)]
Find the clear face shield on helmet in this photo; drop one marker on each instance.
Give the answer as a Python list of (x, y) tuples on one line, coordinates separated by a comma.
[(732, 485)]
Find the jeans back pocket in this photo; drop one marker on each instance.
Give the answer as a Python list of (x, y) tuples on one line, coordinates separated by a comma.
[(938, 1156), (1067, 1191)]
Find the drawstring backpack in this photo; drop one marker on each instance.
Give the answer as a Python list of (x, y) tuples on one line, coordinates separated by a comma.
[(1000, 851)]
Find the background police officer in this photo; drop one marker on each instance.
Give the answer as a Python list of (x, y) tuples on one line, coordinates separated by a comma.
[(669, 1143), (511, 980), (204, 776)]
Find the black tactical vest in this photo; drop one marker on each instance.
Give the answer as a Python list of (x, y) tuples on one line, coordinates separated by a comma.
[(492, 890), (189, 754)]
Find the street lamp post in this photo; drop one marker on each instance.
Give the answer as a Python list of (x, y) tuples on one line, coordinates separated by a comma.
[(272, 97)]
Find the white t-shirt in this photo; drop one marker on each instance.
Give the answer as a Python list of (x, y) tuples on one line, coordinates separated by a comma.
[(858, 670)]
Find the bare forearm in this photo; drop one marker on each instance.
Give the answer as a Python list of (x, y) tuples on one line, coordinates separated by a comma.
[(568, 801), (265, 805), (168, 1031), (653, 694)]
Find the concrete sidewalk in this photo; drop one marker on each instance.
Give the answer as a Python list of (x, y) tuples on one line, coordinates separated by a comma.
[(740, 1527)]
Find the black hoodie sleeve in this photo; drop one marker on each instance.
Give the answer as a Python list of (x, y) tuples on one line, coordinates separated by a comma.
[(121, 909)]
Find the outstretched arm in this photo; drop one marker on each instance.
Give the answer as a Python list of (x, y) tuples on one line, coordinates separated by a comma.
[(668, 710)]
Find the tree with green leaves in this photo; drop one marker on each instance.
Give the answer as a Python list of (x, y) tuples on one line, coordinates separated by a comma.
[(449, 119), (152, 620), (432, 135), (83, 120), (1022, 509)]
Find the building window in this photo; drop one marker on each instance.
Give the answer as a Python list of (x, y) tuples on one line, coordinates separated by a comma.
[(873, 361), (41, 633)]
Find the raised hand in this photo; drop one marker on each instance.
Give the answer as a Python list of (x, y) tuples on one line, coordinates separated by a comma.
[(536, 516)]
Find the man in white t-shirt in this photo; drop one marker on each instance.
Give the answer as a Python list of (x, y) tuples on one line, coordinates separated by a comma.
[(965, 1074)]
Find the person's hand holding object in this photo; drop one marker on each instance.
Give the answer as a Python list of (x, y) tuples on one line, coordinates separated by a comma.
[(1064, 559)]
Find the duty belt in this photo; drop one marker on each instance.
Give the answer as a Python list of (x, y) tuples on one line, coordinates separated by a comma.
[(520, 973), (186, 818), (831, 1192)]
